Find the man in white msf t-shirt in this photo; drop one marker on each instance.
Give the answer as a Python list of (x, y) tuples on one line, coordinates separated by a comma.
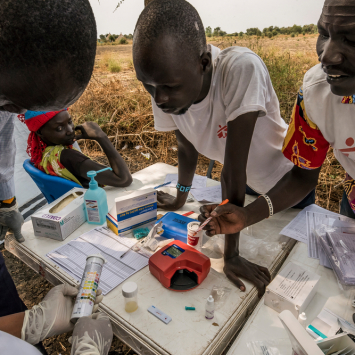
[(323, 116), (220, 104)]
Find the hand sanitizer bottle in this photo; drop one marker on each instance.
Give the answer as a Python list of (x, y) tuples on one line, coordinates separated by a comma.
[(95, 197)]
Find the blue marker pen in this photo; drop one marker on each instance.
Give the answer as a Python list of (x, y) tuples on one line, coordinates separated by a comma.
[(157, 187)]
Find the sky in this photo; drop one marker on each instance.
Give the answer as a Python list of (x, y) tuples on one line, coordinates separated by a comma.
[(231, 15)]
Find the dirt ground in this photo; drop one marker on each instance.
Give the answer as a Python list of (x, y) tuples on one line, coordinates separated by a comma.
[(31, 286)]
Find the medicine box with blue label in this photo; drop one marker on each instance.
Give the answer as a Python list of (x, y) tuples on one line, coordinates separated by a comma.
[(132, 210)]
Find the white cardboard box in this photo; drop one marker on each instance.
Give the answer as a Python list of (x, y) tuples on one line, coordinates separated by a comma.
[(292, 289), (132, 211), (59, 225), (304, 344)]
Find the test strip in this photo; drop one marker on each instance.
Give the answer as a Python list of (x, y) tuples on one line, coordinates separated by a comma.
[(159, 314)]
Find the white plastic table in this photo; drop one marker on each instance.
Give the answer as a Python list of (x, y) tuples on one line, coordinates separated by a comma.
[(264, 323), (188, 332)]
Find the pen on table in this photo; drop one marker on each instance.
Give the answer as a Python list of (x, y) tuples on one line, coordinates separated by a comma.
[(209, 218), (166, 183), (139, 241)]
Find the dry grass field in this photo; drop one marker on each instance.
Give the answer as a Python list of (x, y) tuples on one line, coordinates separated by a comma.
[(119, 104)]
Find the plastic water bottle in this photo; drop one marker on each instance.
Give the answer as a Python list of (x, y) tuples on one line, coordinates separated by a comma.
[(95, 197), (209, 308)]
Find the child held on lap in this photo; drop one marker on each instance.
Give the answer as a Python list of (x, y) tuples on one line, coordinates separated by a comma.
[(50, 146)]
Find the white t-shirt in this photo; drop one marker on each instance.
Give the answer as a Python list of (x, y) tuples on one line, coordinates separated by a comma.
[(335, 120), (240, 84), (10, 345)]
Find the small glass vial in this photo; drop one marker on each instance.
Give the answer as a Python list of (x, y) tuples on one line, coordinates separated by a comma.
[(209, 308), (130, 293)]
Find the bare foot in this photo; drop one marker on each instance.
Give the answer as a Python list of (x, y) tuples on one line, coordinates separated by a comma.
[(237, 266)]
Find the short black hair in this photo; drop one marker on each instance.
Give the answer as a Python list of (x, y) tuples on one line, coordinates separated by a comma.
[(41, 33), (177, 18)]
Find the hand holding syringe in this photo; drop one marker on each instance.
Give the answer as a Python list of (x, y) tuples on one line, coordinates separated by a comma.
[(209, 218)]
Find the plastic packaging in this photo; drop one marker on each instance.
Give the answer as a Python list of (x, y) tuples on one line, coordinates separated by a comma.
[(157, 229), (340, 250), (194, 239), (155, 243), (130, 294), (140, 233), (209, 308), (302, 319), (269, 347), (220, 295), (95, 197), (85, 300)]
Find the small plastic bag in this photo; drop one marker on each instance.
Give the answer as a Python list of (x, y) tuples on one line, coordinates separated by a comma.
[(269, 347), (140, 233), (220, 295), (339, 249), (157, 229), (158, 242)]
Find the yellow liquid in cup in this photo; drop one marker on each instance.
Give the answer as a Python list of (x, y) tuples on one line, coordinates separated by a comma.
[(131, 306)]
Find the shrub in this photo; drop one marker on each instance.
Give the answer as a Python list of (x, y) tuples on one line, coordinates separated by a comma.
[(109, 63), (293, 34), (123, 40), (114, 66), (269, 34)]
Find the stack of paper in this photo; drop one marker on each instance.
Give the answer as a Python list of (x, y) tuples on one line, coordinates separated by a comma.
[(198, 181), (297, 228), (71, 257), (211, 194), (340, 249), (311, 224)]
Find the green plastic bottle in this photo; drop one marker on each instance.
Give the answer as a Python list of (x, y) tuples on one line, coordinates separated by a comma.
[(95, 197)]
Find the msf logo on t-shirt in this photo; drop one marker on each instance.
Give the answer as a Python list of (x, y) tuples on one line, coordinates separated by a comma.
[(347, 151), (222, 132)]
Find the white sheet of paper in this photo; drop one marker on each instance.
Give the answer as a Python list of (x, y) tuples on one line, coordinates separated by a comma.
[(72, 257), (297, 228), (208, 194), (197, 183)]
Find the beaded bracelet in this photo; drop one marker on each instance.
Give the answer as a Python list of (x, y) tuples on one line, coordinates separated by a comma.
[(183, 188), (269, 203)]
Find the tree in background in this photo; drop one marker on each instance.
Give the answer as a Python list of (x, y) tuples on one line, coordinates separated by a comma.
[(253, 31), (216, 31), (208, 31), (102, 38)]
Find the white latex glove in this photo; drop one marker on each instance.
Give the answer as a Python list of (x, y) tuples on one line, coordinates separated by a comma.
[(52, 316), (92, 335)]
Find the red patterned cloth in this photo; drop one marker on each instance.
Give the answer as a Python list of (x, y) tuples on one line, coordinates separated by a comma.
[(306, 147), (304, 143)]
